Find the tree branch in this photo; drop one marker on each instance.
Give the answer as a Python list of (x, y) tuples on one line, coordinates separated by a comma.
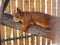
[(7, 19)]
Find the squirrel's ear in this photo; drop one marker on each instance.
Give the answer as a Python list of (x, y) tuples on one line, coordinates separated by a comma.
[(18, 10)]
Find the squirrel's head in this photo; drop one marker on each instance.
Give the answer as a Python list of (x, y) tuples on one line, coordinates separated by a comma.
[(17, 16)]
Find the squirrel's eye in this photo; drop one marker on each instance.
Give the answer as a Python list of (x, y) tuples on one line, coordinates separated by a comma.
[(17, 17)]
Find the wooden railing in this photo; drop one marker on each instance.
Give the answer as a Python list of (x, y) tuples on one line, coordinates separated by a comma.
[(12, 36)]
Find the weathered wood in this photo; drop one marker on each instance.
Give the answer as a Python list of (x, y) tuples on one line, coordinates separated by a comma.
[(26, 5), (54, 7), (49, 6), (37, 5), (2, 33), (15, 35), (43, 6), (8, 35), (31, 5)]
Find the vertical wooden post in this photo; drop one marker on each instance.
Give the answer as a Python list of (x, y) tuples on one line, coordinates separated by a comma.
[(26, 4), (31, 5), (1, 8), (37, 5), (0, 37), (40, 40), (2, 34), (49, 6), (43, 5), (29, 39), (58, 7)]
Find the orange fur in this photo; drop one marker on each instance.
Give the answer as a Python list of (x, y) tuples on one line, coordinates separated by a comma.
[(28, 18)]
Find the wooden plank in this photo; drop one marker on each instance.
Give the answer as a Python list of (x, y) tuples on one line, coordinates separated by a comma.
[(34, 5), (13, 6), (32, 42), (18, 40), (38, 41), (8, 35), (54, 7), (20, 5), (49, 6), (48, 41), (15, 35), (5, 36), (35, 40), (58, 8), (29, 39), (26, 39), (43, 41), (38, 5), (11, 36), (26, 5), (0, 38), (1, 8), (43, 5), (2, 34), (21, 39), (31, 5)]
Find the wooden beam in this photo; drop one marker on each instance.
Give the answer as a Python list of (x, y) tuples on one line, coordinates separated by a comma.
[(0, 38)]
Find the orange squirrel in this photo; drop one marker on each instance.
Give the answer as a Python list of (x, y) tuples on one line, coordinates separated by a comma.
[(28, 18)]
